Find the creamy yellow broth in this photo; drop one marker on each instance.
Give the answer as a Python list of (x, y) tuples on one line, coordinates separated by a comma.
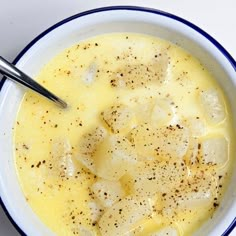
[(160, 88)]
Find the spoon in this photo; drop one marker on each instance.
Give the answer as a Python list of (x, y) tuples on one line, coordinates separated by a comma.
[(9, 70)]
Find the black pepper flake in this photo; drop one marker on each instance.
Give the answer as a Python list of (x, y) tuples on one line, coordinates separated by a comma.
[(25, 146), (199, 146), (39, 164)]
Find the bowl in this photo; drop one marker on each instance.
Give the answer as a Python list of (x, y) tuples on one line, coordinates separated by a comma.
[(79, 27)]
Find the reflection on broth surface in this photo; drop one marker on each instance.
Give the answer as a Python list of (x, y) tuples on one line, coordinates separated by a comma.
[(144, 148)]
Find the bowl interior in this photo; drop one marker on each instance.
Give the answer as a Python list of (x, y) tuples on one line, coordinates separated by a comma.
[(79, 28)]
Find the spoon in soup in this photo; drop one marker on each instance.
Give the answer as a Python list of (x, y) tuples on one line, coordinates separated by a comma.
[(9, 70)]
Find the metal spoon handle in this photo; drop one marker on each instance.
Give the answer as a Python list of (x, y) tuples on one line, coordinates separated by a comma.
[(9, 70)]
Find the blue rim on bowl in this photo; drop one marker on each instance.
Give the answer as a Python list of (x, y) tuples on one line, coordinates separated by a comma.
[(130, 8)]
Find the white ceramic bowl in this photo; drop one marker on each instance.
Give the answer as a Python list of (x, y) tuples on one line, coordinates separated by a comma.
[(80, 27)]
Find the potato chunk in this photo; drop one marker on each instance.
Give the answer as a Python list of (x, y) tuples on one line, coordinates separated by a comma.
[(107, 156), (192, 155), (213, 105), (164, 142), (85, 231), (153, 177), (90, 73), (88, 146), (166, 231), (133, 76), (119, 118), (96, 210), (215, 150), (62, 154), (199, 190), (196, 125), (142, 107), (121, 217), (114, 157), (161, 113), (151, 110), (108, 192)]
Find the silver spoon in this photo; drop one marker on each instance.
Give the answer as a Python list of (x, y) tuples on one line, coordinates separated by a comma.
[(9, 70)]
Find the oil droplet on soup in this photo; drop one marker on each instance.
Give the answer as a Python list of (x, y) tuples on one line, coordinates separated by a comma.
[(145, 147)]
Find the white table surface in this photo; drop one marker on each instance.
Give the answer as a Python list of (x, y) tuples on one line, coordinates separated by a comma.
[(21, 21)]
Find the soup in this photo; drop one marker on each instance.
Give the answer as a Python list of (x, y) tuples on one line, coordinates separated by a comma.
[(144, 148)]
